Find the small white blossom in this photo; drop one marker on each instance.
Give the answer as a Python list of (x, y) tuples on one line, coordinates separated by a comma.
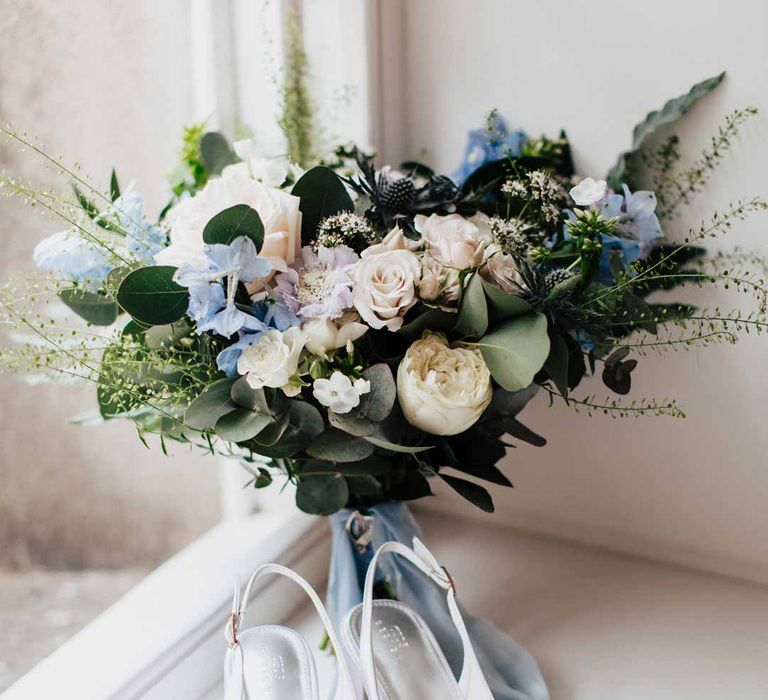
[(340, 393), (588, 192)]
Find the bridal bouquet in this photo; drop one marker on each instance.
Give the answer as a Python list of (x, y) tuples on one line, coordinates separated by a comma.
[(358, 330)]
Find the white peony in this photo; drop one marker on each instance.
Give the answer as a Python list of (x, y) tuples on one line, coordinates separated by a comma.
[(385, 287), (588, 191), (452, 240), (324, 335), (279, 212), (443, 390), (340, 393), (273, 360)]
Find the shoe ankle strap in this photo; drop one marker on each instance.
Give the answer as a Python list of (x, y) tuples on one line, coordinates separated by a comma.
[(345, 687), (425, 562)]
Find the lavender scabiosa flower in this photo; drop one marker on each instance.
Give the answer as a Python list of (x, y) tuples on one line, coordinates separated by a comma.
[(318, 284)]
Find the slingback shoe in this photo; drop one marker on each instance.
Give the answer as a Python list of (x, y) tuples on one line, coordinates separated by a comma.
[(397, 654), (271, 662)]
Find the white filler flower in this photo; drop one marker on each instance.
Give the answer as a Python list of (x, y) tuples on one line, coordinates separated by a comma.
[(588, 191), (339, 392), (443, 390)]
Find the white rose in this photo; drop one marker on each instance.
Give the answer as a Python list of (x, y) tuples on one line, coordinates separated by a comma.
[(394, 240), (452, 240), (385, 287), (324, 335), (273, 360), (588, 191), (443, 390), (279, 212), (439, 284)]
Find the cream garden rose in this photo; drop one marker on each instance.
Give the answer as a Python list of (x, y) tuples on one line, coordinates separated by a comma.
[(279, 212), (443, 390), (385, 287), (273, 360), (452, 240)]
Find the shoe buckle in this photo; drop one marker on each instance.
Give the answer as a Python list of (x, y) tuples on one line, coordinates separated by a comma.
[(451, 580), (232, 642)]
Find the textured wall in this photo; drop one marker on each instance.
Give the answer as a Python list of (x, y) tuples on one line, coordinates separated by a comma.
[(102, 82), (693, 491)]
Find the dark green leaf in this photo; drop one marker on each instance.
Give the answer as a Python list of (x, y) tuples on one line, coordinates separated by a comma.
[(94, 308), (240, 220), (244, 395), (516, 350), (387, 445), (617, 375), (322, 495), (512, 426), (474, 493), (114, 187), (505, 305), (413, 485), (336, 446), (322, 194), (241, 424), (214, 402), (669, 113), (274, 431), (487, 472), (354, 425), (150, 296), (472, 321), (216, 152), (428, 319), (304, 424), (377, 404), (364, 487)]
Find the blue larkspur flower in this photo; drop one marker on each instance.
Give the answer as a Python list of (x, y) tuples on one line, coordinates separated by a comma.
[(490, 143), (72, 258), (144, 239)]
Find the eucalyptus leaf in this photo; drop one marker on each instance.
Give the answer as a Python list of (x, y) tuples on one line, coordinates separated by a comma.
[(377, 404), (214, 402), (336, 446), (516, 350), (505, 305), (150, 296), (387, 445), (216, 152), (473, 492), (429, 319), (239, 220), (322, 194), (354, 425), (322, 495), (272, 434), (674, 109), (95, 308), (304, 424), (244, 395), (472, 321), (241, 424), (365, 486)]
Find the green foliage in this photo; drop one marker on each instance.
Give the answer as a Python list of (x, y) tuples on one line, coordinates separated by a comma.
[(216, 153), (322, 194), (212, 404), (150, 295), (239, 220), (322, 495), (516, 350), (95, 308), (622, 171), (192, 173), (472, 320)]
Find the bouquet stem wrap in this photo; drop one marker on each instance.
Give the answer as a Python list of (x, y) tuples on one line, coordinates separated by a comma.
[(511, 671)]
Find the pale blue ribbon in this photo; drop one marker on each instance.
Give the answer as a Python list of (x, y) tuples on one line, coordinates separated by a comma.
[(511, 672)]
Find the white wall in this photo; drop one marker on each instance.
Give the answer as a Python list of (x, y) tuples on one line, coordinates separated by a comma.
[(693, 491), (103, 83)]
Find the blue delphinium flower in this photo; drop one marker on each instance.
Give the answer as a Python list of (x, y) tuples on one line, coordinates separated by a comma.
[(72, 258), (209, 307), (492, 142), (143, 239)]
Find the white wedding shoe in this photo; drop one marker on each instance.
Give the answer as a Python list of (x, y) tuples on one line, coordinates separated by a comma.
[(271, 662), (398, 655)]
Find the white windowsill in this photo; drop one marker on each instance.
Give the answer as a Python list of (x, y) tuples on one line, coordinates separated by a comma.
[(164, 638)]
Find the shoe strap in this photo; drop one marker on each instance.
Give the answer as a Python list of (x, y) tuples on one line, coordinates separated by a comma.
[(234, 660), (425, 562)]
